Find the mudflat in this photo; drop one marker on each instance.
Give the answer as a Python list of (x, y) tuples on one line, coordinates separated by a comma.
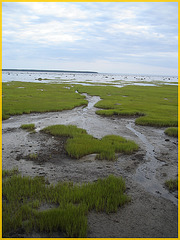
[(152, 211)]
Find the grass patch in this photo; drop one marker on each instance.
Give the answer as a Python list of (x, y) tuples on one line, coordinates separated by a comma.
[(172, 184), (24, 97), (23, 197), (29, 127), (9, 173), (172, 132), (153, 105), (79, 143), (149, 104), (32, 156)]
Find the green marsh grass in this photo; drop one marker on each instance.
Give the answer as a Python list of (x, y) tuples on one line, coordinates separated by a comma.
[(80, 143), (25, 97), (24, 196), (172, 132), (9, 173), (152, 105), (172, 184), (29, 127), (33, 156)]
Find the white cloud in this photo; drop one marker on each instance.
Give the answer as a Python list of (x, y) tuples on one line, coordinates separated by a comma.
[(143, 31), (55, 9), (154, 54), (120, 14), (53, 32), (63, 24)]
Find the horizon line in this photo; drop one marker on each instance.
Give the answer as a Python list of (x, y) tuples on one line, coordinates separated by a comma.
[(83, 71), (46, 70)]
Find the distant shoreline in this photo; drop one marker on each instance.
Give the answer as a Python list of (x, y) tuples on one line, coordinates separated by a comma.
[(35, 70)]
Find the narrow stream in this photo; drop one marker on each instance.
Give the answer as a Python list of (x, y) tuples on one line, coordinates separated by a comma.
[(146, 172)]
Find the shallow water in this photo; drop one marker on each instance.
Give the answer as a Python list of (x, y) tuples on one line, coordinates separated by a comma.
[(83, 78)]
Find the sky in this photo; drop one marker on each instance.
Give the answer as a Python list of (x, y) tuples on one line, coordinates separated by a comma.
[(107, 37)]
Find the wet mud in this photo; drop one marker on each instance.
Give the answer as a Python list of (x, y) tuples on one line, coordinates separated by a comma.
[(152, 211)]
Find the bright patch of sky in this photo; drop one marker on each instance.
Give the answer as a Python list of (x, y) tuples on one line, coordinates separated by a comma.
[(111, 37)]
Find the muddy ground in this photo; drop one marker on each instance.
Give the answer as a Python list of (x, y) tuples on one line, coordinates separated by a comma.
[(152, 211)]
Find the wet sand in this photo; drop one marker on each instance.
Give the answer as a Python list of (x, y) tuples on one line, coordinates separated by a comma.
[(152, 211)]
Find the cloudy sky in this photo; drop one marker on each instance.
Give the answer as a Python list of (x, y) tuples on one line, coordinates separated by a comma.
[(116, 37)]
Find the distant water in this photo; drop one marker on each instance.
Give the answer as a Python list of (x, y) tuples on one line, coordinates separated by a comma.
[(86, 78)]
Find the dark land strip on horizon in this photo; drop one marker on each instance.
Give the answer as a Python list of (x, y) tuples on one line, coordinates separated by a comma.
[(36, 70)]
